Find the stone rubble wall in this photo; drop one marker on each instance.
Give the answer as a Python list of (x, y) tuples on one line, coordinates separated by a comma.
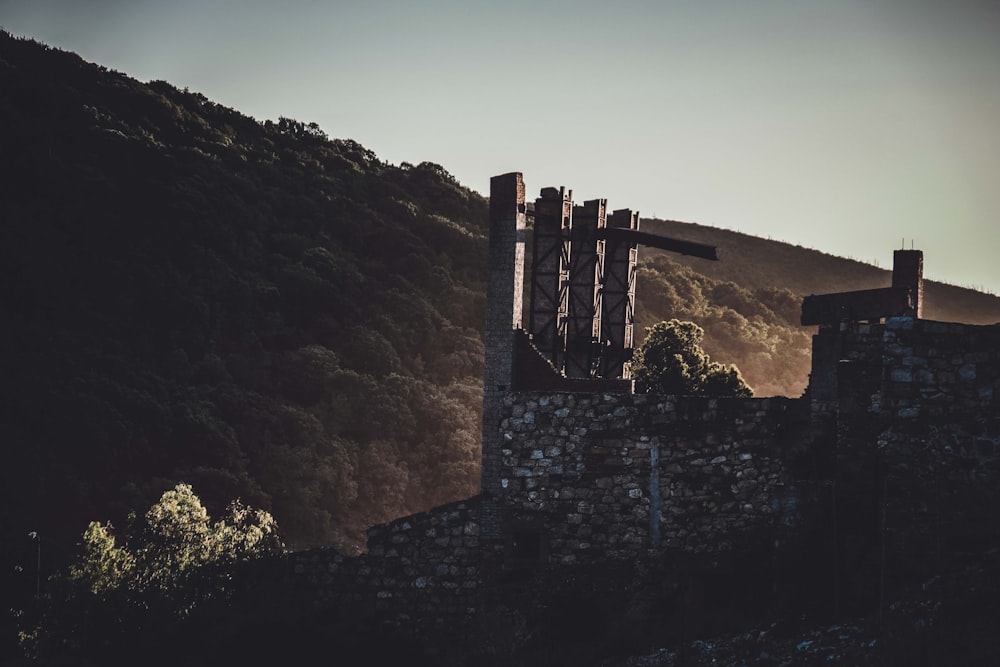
[(598, 467), (897, 445), (936, 369), (913, 409), (940, 440), (576, 472), (424, 567)]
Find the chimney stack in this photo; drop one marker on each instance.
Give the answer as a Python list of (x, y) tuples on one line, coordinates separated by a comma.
[(908, 271)]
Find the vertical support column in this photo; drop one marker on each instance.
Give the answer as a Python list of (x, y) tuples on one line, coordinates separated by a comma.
[(908, 271), (550, 273), (655, 497), (586, 272), (618, 316), (504, 292)]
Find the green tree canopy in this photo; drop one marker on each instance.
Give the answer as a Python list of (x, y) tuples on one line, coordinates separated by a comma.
[(671, 361), (172, 560)]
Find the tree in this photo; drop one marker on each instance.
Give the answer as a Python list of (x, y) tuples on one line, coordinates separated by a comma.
[(174, 559), (671, 361)]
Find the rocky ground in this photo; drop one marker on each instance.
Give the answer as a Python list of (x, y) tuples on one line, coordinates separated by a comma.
[(947, 620)]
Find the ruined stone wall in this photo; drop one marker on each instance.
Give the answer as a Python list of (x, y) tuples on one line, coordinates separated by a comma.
[(613, 475), (586, 478), (907, 368), (939, 369), (889, 467), (940, 441), (910, 407), (421, 573)]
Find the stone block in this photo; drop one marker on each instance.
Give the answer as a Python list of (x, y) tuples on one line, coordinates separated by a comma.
[(901, 375), (899, 323)]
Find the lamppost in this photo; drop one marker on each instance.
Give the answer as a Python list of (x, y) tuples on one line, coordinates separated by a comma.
[(38, 563)]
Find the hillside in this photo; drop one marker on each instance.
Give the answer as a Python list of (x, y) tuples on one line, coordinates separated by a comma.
[(189, 294), (749, 301), (756, 263)]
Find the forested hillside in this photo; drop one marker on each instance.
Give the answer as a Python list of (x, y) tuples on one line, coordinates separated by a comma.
[(749, 301), (190, 295), (251, 308)]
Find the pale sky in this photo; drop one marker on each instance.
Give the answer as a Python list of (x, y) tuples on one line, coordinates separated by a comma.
[(841, 125)]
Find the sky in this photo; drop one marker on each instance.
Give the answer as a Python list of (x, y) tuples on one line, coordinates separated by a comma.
[(855, 127)]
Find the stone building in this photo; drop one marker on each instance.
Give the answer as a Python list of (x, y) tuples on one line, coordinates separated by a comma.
[(669, 509)]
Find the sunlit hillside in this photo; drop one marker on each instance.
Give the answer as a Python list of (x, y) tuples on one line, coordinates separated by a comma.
[(748, 301)]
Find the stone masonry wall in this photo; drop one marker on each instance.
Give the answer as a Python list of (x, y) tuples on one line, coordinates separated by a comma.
[(586, 478), (612, 475), (912, 409), (889, 466), (419, 569), (907, 367), (936, 369), (939, 412)]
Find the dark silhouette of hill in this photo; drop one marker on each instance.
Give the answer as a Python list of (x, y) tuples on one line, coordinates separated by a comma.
[(190, 295)]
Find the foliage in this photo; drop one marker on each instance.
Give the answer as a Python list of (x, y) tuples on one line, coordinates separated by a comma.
[(104, 567), (671, 361), (252, 307), (175, 558), (749, 302), (757, 329), (177, 537)]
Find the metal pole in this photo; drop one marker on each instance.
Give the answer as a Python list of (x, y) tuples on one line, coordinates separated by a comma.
[(38, 562)]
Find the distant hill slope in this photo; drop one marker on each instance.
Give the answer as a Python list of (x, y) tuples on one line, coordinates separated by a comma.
[(749, 301), (755, 262), (188, 294)]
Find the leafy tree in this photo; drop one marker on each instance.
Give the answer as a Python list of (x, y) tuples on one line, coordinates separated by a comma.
[(174, 559), (671, 361), (177, 538), (104, 566)]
